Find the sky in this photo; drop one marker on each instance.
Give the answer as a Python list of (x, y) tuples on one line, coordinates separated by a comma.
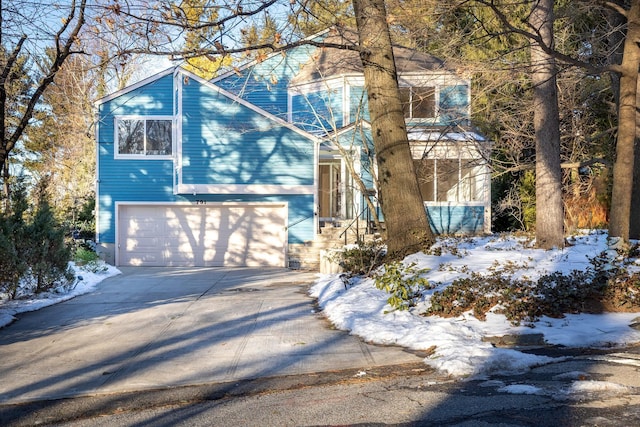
[(457, 343)]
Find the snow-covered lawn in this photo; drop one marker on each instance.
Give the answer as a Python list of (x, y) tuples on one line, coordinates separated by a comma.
[(457, 343)]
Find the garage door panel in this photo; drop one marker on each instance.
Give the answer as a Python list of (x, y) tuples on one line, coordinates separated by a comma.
[(176, 257), (143, 227), (143, 258), (213, 235), (142, 243)]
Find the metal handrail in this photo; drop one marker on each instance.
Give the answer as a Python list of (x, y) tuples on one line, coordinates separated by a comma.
[(348, 227), (357, 218), (299, 221)]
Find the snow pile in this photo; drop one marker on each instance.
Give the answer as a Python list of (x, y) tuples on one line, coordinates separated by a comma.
[(8, 309), (457, 344), (520, 389)]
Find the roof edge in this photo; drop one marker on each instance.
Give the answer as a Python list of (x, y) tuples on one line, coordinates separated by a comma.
[(253, 62), (247, 104), (136, 85)]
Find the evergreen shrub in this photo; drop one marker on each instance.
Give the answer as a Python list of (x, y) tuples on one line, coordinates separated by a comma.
[(34, 257), (361, 258)]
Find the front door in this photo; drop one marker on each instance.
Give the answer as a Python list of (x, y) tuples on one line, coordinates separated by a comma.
[(329, 190)]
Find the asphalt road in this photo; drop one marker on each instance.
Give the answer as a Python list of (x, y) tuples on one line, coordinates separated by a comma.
[(409, 394)]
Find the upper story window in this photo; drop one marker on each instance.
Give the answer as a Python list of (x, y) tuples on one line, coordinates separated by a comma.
[(144, 136), (418, 102)]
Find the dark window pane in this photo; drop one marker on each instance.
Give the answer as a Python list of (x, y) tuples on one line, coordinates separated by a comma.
[(425, 175), (423, 103), (130, 136), (158, 137), (405, 100)]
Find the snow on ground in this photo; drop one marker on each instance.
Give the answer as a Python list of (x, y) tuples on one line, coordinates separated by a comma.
[(457, 343), (581, 389), (520, 389), (8, 309)]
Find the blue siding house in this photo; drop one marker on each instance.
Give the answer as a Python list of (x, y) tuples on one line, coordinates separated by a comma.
[(245, 168)]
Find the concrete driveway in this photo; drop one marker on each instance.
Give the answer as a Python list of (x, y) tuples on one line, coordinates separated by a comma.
[(152, 328)]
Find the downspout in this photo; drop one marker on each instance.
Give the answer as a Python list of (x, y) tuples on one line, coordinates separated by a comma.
[(177, 130), (96, 216)]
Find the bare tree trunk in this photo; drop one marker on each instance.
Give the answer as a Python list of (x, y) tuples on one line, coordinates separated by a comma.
[(6, 189), (549, 207), (402, 206), (634, 217), (621, 195)]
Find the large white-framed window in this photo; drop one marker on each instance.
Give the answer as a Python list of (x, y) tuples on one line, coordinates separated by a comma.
[(450, 180), (419, 102), (144, 136)]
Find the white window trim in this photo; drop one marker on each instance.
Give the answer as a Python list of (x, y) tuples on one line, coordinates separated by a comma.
[(116, 142), (436, 102)]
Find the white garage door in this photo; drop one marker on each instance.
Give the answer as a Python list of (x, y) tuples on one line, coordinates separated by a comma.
[(211, 235)]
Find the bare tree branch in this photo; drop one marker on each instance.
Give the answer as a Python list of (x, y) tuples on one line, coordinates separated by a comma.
[(63, 50), (534, 36)]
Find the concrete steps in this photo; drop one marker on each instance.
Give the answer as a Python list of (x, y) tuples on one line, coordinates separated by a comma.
[(312, 255)]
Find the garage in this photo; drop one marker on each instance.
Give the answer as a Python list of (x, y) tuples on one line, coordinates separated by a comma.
[(201, 235)]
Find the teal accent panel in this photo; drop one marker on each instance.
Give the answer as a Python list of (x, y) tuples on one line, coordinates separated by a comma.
[(225, 142), (319, 111), (358, 104), (456, 219), (265, 83), (454, 103)]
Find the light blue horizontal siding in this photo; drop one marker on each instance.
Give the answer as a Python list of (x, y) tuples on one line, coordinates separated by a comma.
[(314, 111), (453, 108), (357, 139), (456, 219), (144, 180), (358, 104), (154, 98), (131, 180), (453, 219), (265, 83), (318, 111), (224, 142)]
